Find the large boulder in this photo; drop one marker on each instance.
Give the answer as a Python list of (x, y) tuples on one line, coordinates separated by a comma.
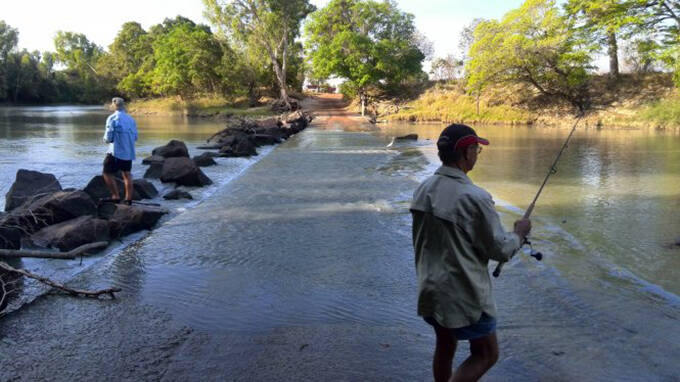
[(97, 188), (184, 172), (124, 219), (154, 171), (28, 185), (177, 194), (204, 160), (72, 233), (145, 189), (51, 209), (174, 149)]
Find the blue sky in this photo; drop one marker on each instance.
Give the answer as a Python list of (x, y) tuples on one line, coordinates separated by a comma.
[(38, 21)]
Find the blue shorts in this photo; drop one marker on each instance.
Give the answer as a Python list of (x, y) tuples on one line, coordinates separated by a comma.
[(484, 327)]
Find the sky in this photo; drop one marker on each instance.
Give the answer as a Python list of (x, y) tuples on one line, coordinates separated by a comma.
[(39, 20)]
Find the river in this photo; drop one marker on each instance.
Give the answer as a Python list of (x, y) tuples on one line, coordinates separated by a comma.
[(298, 265)]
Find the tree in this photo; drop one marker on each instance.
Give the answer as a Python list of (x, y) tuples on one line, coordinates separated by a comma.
[(661, 19), (81, 56), (467, 38), (76, 51), (8, 42), (130, 60), (186, 61), (447, 68), (605, 19), (267, 25), (533, 45), (369, 43)]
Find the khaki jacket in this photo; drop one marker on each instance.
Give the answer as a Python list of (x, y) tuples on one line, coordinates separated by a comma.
[(456, 231)]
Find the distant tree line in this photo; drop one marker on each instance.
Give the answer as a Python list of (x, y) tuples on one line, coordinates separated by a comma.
[(254, 53)]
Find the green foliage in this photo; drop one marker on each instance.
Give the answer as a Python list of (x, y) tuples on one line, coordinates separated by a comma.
[(262, 28), (186, 61), (81, 57), (535, 45), (8, 42), (446, 69), (663, 112), (369, 43)]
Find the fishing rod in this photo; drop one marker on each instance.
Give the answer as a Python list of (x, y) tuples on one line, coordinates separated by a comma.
[(553, 170)]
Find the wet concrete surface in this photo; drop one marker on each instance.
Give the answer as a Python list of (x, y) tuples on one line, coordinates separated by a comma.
[(302, 270)]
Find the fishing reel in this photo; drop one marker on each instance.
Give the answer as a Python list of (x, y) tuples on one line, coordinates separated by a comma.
[(535, 254)]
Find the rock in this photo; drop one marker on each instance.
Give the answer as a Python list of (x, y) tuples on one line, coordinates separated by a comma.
[(265, 139), (174, 149), (204, 160), (10, 237), (29, 184), (51, 209), (153, 159), (677, 241), (279, 106), (144, 188), (177, 194), (409, 137), (184, 172), (97, 189), (72, 233), (240, 148), (154, 171), (124, 219)]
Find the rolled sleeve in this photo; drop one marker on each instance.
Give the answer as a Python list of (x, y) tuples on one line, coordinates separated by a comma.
[(494, 241)]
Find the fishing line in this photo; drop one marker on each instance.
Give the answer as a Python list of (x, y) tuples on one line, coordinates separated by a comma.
[(553, 170)]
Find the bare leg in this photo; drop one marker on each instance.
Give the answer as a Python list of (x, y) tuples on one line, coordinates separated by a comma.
[(483, 355), (129, 187), (443, 355), (111, 184)]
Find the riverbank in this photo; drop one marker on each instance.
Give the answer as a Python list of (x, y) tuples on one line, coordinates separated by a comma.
[(214, 107), (635, 101)]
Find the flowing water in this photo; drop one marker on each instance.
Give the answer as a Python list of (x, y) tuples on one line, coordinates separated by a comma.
[(66, 141), (313, 241)]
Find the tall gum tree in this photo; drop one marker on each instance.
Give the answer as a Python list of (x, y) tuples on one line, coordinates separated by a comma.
[(369, 43), (269, 25)]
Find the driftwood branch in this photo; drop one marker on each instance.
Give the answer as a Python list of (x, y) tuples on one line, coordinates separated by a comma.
[(54, 284), (70, 255)]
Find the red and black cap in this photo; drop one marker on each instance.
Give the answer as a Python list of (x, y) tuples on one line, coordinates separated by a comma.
[(458, 136)]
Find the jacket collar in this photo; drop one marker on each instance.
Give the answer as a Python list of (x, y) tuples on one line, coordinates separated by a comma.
[(453, 172)]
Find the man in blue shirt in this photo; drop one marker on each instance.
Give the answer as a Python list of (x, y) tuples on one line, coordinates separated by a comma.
[(121, 134)]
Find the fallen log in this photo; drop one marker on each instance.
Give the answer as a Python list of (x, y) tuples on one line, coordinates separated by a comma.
[(54, 284), (70, 255)]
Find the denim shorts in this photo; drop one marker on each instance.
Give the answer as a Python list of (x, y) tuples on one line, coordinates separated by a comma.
[(485, 326)]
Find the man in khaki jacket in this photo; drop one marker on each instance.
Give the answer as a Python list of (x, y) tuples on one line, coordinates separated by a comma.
[(456, 231)]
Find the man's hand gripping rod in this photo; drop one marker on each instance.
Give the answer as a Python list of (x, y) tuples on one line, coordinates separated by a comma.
[(553, 170)]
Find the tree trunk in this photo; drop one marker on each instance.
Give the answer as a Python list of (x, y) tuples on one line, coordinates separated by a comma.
[(613, 54), (362, 96)]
